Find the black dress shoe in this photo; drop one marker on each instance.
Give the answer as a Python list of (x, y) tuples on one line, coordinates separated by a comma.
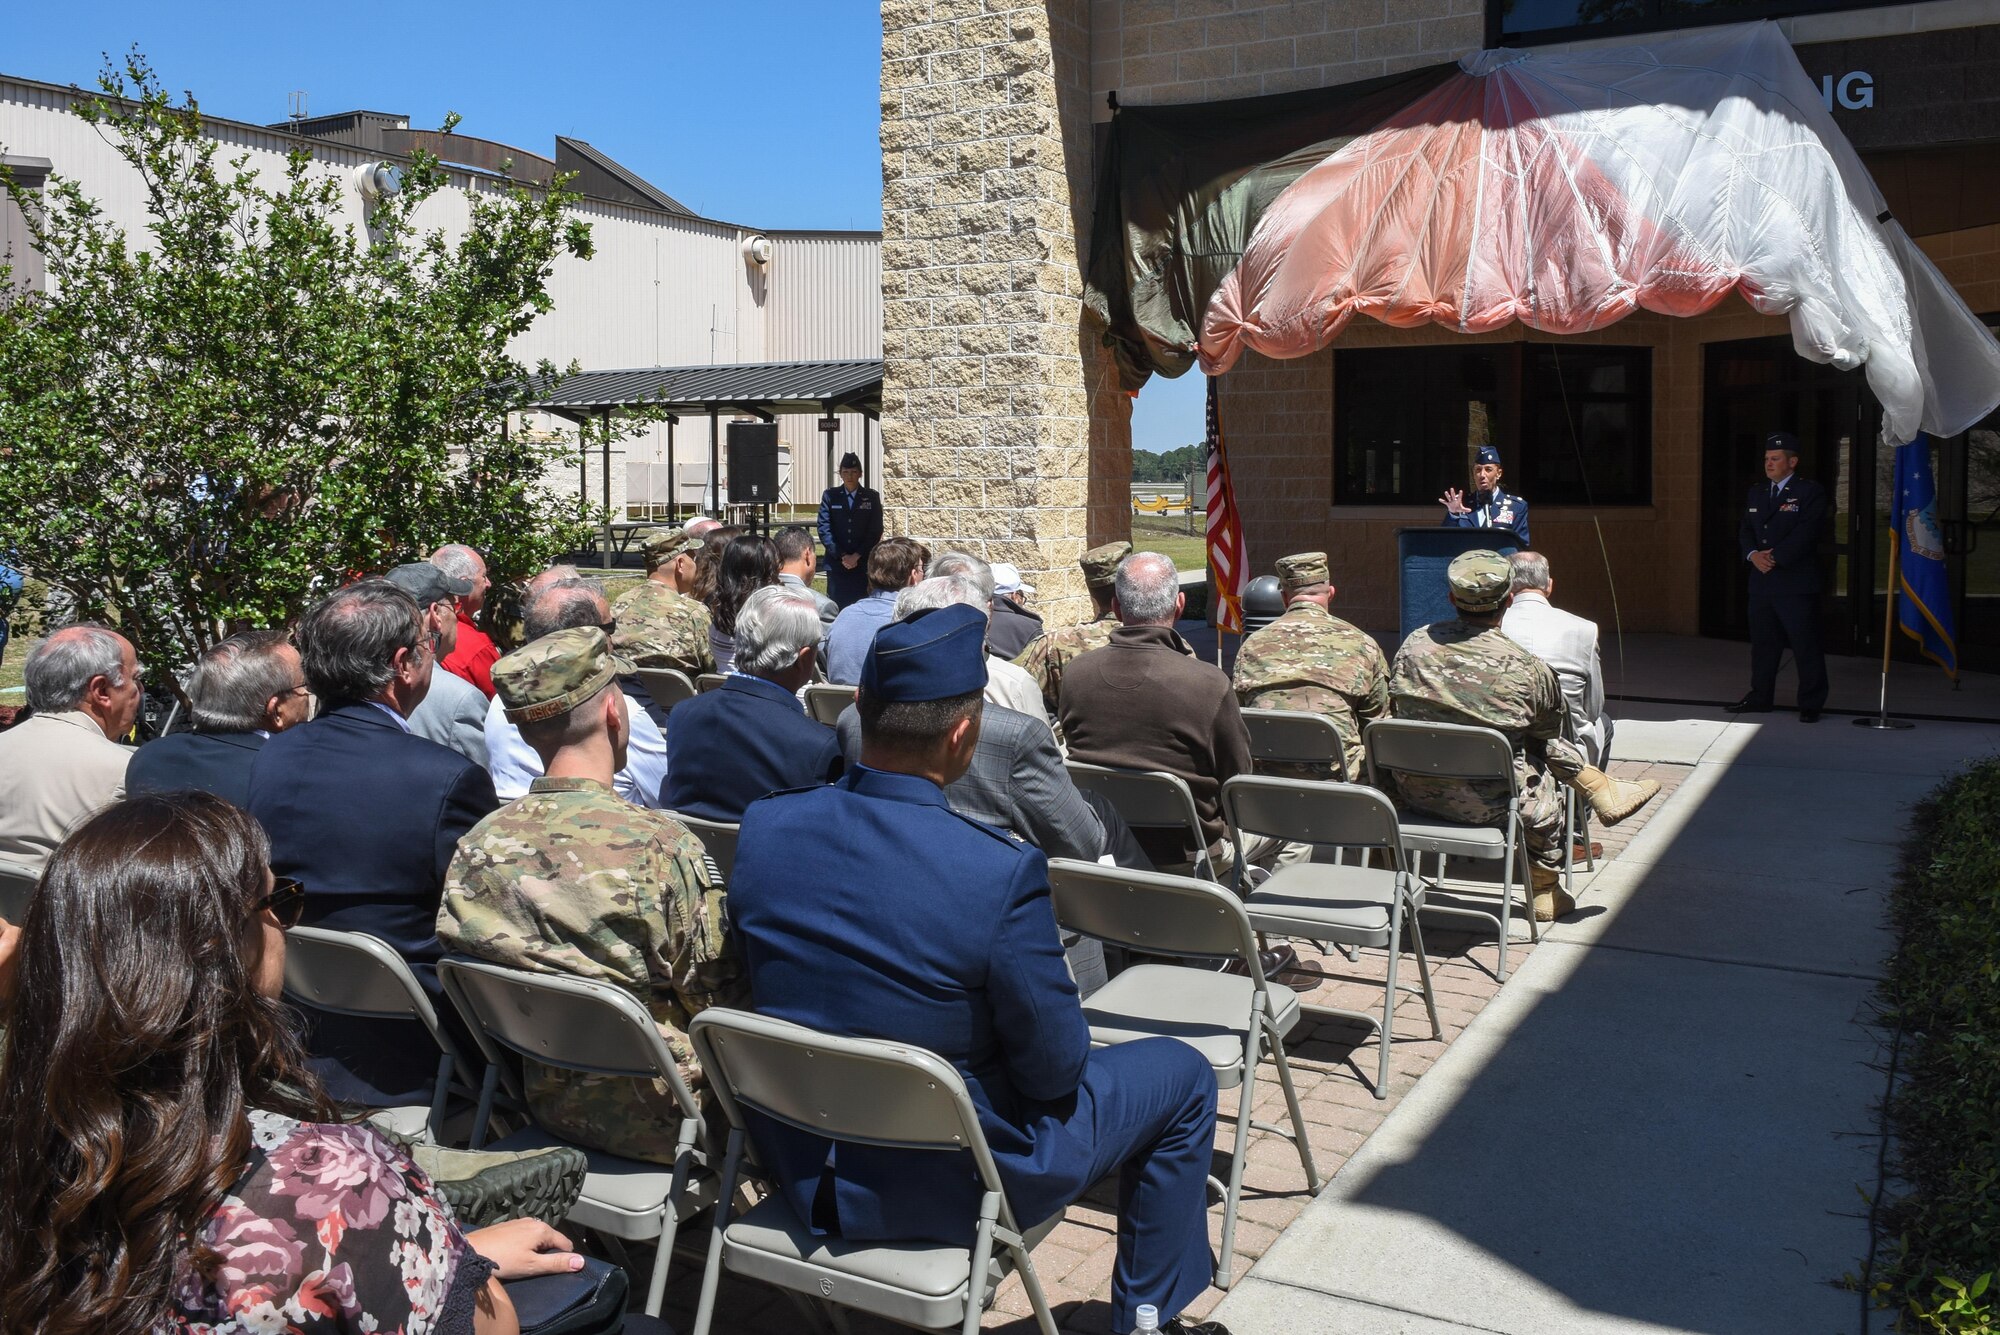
[(1747, 705), (1808, 716)]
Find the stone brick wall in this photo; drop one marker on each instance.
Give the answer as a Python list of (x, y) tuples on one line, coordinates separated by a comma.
[(994, 397)]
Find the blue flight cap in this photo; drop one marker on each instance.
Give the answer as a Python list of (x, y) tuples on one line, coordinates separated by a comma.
[(934, 655), (1488, 455)]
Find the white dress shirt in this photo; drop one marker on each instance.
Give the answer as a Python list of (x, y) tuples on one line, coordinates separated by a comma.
[(1568, 644), (514, 765), (1012, 688)]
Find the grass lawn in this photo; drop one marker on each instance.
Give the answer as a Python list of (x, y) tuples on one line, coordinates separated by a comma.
[(1170, 537)]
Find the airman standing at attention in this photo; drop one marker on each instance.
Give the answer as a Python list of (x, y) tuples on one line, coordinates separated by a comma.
[(1311, 661), (1047, 653)]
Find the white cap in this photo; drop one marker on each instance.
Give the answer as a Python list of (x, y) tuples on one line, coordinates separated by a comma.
[(1148, 1317), (1007, 578)]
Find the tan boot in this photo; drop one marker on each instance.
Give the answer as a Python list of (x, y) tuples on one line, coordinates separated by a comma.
[(1551, 901), (1614, 799)]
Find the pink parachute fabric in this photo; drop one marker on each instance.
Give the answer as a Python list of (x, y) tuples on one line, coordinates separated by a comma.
[(1564, 191)]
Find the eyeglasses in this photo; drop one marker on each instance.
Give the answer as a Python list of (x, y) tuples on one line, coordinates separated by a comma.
[(287, 901)]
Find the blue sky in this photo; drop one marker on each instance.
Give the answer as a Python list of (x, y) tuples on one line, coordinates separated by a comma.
[(763, 112)]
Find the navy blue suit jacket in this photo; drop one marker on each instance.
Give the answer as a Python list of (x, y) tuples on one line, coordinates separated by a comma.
[(1790, 530), (212, 762), (908, 921), (747, 739)]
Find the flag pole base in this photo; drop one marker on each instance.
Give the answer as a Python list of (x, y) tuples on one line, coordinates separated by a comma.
[(1883, 723)]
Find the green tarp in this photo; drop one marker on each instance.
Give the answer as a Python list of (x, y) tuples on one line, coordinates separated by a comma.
[(1181, 189)]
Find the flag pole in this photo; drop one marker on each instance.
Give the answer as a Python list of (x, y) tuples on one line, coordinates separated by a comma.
[(1881, 722)]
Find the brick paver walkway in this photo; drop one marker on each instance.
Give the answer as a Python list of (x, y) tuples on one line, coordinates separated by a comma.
[(1333, 1078)]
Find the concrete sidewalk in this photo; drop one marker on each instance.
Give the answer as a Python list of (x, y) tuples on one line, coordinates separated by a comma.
[(1664, 1120)]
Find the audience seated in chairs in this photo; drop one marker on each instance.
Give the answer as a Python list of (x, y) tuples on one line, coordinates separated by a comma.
[(562, 604), (64, 762), (149, 1075), (749, 563), (1006, 684), (751, 736), (241, 692), (797, 564), (575, 879), (1312, 661), (452, 712), (893, 565), (1568, 644), (366, 816), (919, 925)]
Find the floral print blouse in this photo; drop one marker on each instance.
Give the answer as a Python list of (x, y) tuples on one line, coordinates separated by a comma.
[(330, 1229)]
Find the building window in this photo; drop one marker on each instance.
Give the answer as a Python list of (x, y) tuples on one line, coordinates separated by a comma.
[(27, 272), (1572, 421), (1525, 22)]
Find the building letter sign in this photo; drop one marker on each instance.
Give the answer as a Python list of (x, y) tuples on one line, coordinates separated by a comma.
[(1855, 89)]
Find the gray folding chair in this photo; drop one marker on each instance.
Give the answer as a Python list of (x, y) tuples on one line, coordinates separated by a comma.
[(579, 1025), (718, 837), (1454, 751), (667, 686), (1148, 800), (862, 1092), (825, 701), (1356, 906), (1289, 737), (709, 681), (1232, 1019), (17, 887), (352, 973), (1576, 820)]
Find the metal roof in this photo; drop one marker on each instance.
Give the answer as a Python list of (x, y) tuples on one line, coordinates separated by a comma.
[(767, 387)]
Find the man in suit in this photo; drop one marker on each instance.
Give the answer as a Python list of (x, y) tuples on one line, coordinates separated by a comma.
[(919, 925), (1568, 644), (366, 815), (65, 762), (1783, 518), (850, 524), (241, 692), (1491, 506), (453, 712), (752, 737)]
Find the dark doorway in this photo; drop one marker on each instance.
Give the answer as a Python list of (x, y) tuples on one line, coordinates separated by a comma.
[(1751, 388)]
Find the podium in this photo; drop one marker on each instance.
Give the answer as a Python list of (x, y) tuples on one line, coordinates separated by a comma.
[(1422, 557)]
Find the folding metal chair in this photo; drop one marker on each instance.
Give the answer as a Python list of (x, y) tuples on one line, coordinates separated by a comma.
[(667, 686), (709, 681), (1232, 1019), (863, 1092), (1148, 800), (352, 973), (1576, 820), (579, 1025), (826, 702), (1454, 751), (1289, 737), (1356, 906), (17, 887), (718, 837)]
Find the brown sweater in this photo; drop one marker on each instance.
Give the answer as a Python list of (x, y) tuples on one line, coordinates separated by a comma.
[(1146, 702)]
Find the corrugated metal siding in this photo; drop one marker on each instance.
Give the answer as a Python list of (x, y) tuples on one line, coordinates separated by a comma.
[(826, 297)]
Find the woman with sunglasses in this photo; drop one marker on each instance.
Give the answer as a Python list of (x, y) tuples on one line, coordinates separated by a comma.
[(167, 1162)]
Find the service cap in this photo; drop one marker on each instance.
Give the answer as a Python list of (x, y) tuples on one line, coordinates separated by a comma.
[(1302, 571), (427, 583), (1488, 455), (934, 655), (1100, 564), (1780, 440), (547, 678), (1479, 580), (849, 460)]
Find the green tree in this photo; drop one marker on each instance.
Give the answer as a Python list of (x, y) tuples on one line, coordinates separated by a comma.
[(213, 424), (1172, 466)]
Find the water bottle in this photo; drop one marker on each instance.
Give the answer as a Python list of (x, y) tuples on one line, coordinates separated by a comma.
[(1149, 1320)]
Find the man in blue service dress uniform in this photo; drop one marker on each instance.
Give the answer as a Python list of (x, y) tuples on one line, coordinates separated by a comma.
[(1783, 517), (1490, 507), (918, 925), (850, 524)]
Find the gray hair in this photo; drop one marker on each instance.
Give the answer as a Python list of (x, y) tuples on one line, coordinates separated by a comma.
[(553, 575), (61, 668), (966, 564), (1146, 587), (1530, 571), (773, 624), (234, 680), (563, 605), (458, 561), (348, 643), (942, 591)]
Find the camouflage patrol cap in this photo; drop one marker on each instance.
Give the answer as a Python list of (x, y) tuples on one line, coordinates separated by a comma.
[(664, 545), (547, 678), (1100, 564), (1479, 580), (1302, 571)]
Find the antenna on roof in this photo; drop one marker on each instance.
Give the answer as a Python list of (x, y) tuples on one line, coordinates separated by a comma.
[(296, 101)]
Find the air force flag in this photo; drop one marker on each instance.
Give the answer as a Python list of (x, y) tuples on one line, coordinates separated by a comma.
[(1925, 609)]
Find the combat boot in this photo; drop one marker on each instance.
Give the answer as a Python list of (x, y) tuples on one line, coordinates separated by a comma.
[(1614, 799), (1551, 901)]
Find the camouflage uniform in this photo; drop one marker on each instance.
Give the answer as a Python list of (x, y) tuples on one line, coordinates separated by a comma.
[(660, 628), (1311, 661), (1048, 653)]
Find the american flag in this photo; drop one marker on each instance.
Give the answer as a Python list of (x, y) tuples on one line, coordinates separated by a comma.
[(1228, 566)]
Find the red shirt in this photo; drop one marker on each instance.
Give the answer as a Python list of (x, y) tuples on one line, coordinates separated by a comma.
[(474, 657)]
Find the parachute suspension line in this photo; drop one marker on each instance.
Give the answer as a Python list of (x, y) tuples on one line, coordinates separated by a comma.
[(1604, 552)]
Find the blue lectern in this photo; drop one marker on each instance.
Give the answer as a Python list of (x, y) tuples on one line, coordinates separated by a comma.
[(1422, 554)]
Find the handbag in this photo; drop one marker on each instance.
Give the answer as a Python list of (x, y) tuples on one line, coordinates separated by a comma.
[(590, 1301)]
